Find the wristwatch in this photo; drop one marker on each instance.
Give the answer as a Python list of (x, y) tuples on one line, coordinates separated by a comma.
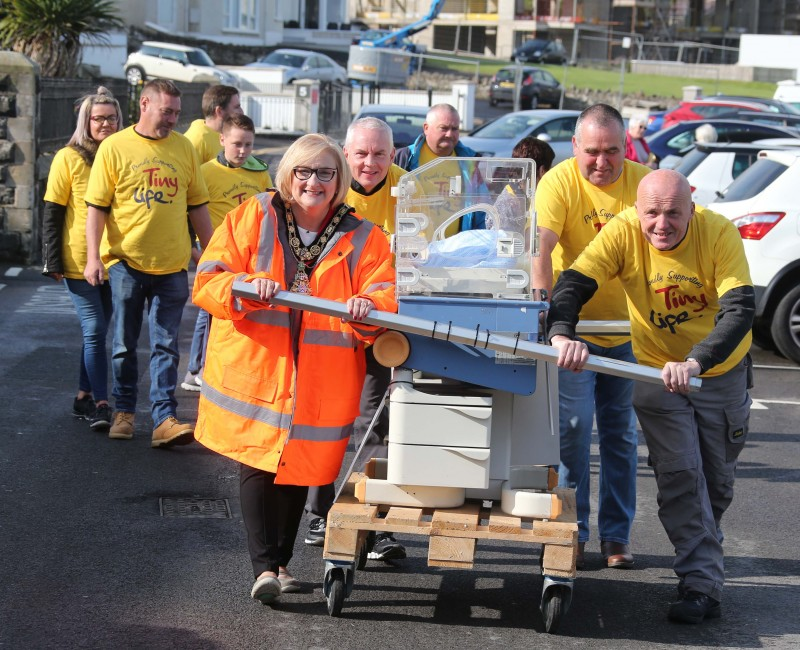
[(696, 361)]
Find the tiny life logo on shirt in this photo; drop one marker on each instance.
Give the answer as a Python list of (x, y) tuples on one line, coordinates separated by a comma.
[(159, 188)]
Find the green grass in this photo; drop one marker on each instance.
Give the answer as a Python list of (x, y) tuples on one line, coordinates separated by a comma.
[(608, 80)]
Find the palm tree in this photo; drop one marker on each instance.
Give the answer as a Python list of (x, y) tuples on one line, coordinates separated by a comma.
[(49, 31)]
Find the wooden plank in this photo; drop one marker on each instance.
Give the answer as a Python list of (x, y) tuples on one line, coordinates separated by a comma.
[(351, 484), (343, 513), (503, 523), (560, 558), (467, 517), (552, 479), (340, 544), (555, 573), (451, 551), (403, 516), (554, 529)]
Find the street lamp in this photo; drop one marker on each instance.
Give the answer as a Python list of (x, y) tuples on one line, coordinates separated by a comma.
[(626, 45)]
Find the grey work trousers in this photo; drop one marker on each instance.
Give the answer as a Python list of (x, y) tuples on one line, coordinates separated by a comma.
[(694, 441), (320, 499)]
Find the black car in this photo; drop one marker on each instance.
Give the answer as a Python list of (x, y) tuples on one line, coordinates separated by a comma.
[(540, 51), (678, 139), (537, 87)]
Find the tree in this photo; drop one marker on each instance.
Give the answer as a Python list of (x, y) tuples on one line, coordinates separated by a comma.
[(50, 31)]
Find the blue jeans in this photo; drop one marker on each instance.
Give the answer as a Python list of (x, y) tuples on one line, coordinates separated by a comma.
[(164, 297), (93, 305), (197, 354), (580, 397)]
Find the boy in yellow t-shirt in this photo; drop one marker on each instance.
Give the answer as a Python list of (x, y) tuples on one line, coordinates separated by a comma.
[(232, 177)]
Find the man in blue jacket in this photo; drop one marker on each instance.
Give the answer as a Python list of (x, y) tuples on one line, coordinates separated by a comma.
[(439, 139)]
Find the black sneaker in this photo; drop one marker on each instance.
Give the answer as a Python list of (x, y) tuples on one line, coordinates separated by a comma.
[(101, 420), (316, 532), (386, 547), (83, 407), (693, 608)]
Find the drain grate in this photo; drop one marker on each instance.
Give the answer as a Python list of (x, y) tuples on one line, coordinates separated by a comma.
[(204, 508)]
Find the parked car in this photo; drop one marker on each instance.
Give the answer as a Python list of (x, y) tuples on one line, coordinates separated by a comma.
[(406, 121), (498, 137), (655, 122), (155, 60), (774, 104), (764, 117), (764, 203), (302, 64), (537, 86), (702, 109), (711, 167), (540, 51), (677, 140)]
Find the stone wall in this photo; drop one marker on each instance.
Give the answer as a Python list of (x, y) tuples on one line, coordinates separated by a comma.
[(19, 236)]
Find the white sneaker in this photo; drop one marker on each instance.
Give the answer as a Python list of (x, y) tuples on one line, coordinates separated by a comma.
[(266, 590)]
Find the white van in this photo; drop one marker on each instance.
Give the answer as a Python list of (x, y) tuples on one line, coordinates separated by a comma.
[(788, 91)]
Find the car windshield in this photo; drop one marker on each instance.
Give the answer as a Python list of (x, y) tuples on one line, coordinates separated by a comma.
[(284, 58), (690, 161), (199, 57), (753, 180), (508, 126)]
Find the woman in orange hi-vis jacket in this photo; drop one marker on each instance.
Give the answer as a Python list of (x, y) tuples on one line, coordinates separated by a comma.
[(281, 387)]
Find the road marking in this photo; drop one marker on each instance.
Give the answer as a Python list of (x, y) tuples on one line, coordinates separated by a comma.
[(48, 300), (13, 271), (787, 402), (757, 405), (2, 286)]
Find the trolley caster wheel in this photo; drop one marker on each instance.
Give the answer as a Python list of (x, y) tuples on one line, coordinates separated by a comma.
[(554, 606), (336, 591), (363, 553)]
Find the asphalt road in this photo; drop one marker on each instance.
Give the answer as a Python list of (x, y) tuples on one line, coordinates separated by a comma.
[(88, 561)]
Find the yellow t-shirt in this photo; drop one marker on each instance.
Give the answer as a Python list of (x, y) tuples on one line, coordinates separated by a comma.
[(673, 296), (228, 187), (576, 210), (378, 207), (66, 185), (149, 186), (204, 139)]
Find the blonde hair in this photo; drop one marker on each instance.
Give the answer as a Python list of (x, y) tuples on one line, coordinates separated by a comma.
[(82, 137), (303, 153)]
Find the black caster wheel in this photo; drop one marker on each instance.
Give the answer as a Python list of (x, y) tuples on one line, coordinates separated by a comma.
[(553, 607), (363, 552), (336, 592)]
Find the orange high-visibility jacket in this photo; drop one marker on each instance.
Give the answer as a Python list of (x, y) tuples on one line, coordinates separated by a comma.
[(281, 387)]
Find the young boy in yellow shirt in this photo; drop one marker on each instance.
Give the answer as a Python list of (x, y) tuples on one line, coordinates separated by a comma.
[(232, 177)]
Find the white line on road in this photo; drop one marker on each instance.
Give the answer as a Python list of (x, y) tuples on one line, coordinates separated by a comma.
[(788, 402), (13, 271), (2, 286)]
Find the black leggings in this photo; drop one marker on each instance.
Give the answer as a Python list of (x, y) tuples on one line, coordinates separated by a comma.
[(272, 515)]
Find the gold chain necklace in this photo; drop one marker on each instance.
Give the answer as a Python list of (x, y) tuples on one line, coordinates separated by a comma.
[(307, 256)]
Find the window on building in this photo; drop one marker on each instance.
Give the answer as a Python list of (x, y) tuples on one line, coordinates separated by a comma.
[(240, 15)]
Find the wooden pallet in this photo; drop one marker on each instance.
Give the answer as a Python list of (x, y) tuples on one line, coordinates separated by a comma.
[(454, 532)]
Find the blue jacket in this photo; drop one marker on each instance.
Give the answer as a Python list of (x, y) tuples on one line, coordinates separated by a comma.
[(408, 159)]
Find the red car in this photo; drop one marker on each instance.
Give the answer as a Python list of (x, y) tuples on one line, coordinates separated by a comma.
[(704, 109)]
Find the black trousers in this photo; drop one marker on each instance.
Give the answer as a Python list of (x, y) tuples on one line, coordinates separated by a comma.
[(272, 515), (320, 499)]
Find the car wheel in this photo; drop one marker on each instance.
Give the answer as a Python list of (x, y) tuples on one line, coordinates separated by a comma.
[(135, 75), (530, 103), (785, 326), (492, 101), (761, 334)]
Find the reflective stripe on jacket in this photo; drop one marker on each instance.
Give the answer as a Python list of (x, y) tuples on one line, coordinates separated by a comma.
[(281, 387)]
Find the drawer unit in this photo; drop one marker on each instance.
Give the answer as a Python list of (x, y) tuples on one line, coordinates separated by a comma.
[(466, 467)]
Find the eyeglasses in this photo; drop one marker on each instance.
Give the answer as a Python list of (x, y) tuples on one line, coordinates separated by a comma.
[(324, 174), (102, 119)]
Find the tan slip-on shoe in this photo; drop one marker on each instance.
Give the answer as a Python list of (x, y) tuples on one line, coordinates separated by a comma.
[(171, 432)]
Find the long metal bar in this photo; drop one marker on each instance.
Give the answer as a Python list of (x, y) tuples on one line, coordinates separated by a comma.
[(446, 331)]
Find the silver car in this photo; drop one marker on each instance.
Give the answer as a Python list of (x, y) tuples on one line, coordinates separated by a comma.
[(302, 64), (498, 137)]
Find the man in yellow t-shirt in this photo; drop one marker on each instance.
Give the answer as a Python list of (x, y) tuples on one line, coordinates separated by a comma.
[(691, 300), (144, 181), (232, 177), (574, 201), (218, 103), (369, 152)]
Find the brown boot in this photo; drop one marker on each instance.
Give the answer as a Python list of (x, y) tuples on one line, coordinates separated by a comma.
[(122, 428), (171, 432), (617, 555)]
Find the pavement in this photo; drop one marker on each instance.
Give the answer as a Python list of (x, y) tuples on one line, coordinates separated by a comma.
[(112, 544)]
